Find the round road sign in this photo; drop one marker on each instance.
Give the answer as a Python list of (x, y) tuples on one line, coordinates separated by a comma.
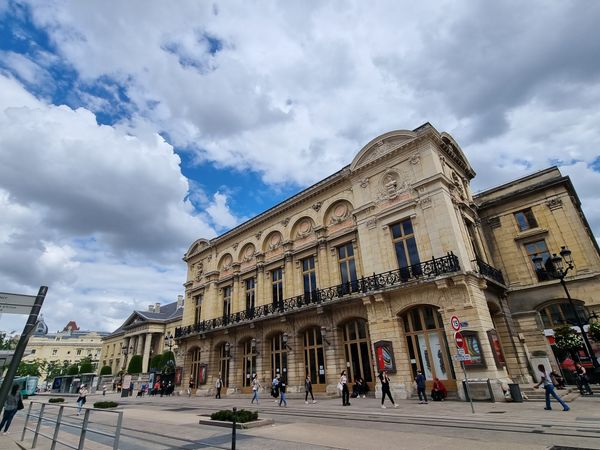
[(459, 339), (455, 323)]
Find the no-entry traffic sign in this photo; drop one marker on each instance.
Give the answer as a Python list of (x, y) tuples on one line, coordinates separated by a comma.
[(459, 339), (455, 323)]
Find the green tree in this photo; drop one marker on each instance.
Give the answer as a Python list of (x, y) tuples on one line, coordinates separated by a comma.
[(7, 342), (73, 369), (86, 365), (55, 369), (567, 338), (135, 364), (594, 331), (168, 360), (106, 370), (157, 362), (33, 368)]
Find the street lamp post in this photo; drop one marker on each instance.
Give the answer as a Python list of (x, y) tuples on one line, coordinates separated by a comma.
[(555, 268), (169, 343)]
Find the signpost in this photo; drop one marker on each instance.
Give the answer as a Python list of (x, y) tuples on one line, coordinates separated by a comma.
[(14, 303), (461, 355)]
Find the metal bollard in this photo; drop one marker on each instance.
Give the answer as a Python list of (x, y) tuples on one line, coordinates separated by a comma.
[(233, 430)]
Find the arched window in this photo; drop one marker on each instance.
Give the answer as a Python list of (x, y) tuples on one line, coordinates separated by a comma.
[(195, 375), (224, 364), (426, 342), (278, 356), (314, 357), (357, 350), (562, 313), (248, 363)]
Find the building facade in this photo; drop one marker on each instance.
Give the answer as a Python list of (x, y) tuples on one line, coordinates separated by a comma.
[(540, 214), (143, 333), (68, 346), (363, 271)]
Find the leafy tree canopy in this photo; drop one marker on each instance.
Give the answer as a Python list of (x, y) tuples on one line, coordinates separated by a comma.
[(33, 368), (135, 364), (106, 370)]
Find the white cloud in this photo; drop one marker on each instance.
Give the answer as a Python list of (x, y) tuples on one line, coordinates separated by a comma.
[(295, 91), (77, 198)]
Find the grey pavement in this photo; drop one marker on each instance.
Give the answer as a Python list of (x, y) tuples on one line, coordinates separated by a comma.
[(172, 422)]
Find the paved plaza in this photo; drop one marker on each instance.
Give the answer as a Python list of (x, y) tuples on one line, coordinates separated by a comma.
[(172, 423)]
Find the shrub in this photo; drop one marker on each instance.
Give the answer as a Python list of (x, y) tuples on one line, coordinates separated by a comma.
[(241, 416), (73, 370), (594, 331), (103, 405), (106, 370), (135, 365), (567, 339), (56, 400)]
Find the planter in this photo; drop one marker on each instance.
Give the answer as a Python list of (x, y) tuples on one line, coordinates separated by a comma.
[(206, 420)]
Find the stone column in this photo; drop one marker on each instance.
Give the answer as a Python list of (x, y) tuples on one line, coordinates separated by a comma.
[(138, 344), (146, 357)]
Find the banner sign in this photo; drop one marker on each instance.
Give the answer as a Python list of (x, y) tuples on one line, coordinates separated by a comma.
[(384, 355)]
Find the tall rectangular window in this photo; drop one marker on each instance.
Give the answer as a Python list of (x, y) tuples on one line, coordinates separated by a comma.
[(226, 300), (197, 308), (309, 276), (525, 219), (250, 293), (538, 248), (405, 244), (347, 266), (277, 285)]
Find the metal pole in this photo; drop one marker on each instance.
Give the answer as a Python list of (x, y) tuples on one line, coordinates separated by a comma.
[(233, 429), (588, 346), (20, 350), (462, 363)]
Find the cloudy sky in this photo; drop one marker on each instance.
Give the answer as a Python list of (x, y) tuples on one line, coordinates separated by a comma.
[(130, 129)]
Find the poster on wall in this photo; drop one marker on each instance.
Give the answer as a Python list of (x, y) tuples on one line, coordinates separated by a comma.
[(178, 373), (384, 355), (496, 348), (202, 374), (473, 347)]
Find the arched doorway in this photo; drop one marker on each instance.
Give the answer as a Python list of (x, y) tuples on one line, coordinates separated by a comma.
[(427, 345), (248, 364), (314, 358), (223, 353), (278, 357), (357, 348)]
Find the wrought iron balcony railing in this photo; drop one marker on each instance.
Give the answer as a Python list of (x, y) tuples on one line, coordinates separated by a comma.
[(425, 270), (489, 271)]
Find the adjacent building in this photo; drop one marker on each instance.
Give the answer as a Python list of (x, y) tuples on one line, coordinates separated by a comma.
[(143, 333), (70, 345), (376, 267)]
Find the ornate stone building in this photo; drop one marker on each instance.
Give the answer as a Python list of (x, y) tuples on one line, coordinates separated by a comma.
[(143, 333), (362, 271)]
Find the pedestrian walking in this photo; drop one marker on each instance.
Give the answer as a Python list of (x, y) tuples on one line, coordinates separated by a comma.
[(103, 390), (345, 392), (420, 380), (282, 388), (308, 390), (190, 387), (218, 386), (582, 380), (385, 388), (255, 388), (275, 388), (12, 404), (83, 392), (549, 387)]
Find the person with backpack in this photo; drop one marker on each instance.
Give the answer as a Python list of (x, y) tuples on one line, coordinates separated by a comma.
[(282, 388), (12, 404), (549, 388), (343, 384), (83, 392), (255, 388), (420, 381), (275, 388), (308, 390), (218, 386), (385, 388)]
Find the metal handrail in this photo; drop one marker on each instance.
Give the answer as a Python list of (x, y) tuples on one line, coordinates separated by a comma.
[(491, 272), (58, 422), (427, 269)]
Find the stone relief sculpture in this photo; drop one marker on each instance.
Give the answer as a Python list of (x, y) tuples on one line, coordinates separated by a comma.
[(304, 228), (340, 212), (274, 241)]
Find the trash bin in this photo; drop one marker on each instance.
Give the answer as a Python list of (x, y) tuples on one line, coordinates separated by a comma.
[(515, 392)]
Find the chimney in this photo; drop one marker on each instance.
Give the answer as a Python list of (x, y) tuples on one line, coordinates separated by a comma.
[(179, 301), (151, 308), (157, 307)]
